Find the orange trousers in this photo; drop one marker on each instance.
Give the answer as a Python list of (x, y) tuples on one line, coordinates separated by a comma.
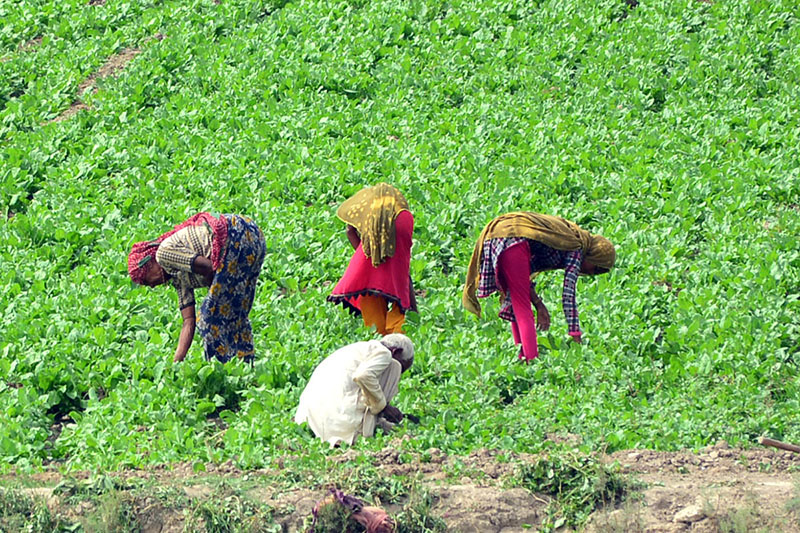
[(375, 312)]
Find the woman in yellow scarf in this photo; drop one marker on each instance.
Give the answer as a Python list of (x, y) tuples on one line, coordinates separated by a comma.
[(379, 227), (514, 245)]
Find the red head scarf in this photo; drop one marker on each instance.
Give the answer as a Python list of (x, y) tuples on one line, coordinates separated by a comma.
[(139, 259)]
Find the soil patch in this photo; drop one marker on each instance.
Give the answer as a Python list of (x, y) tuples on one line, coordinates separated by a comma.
[(70, 112), (465, 508), (111, 67), (717, 489)]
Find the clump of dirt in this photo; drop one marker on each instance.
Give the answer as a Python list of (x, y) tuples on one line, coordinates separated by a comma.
[(714, 460)]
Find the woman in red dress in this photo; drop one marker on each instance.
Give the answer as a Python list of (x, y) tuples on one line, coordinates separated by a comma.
[(379, 227)]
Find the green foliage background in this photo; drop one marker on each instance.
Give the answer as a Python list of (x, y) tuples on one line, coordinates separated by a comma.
[(671, 128)]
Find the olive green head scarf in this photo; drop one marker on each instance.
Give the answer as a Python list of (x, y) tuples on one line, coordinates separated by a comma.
[(551, 231), (372, 211)]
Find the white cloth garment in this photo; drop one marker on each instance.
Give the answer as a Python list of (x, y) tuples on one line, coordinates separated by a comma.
[(347, 390)]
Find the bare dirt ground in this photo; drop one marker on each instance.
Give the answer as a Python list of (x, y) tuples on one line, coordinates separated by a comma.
[(719, 489)]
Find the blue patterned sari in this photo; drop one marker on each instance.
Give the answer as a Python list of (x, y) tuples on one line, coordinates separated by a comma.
[(224, 320)]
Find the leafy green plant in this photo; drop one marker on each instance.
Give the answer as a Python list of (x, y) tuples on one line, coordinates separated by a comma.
[(20, 512), (578, 484), (670, 129)]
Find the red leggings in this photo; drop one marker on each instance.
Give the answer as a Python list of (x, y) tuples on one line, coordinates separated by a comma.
[(513, 275)]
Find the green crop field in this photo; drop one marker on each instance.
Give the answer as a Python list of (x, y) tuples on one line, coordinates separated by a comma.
[(672, 128)]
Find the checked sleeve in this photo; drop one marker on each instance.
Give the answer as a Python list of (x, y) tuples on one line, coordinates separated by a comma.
[(572, 266)]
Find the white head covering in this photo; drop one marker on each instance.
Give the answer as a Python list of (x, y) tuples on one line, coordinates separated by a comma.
[(398, 340)]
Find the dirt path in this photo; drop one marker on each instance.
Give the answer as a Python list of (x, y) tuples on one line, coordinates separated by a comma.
[(717, 490), (111, 67)]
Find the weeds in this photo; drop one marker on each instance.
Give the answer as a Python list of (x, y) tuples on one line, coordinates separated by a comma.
[(748, 515), (228, 511), (578, 484), (416, 515), (744, 519), (627, 519), (77, 490), (334, 518), (368, 482), (116, 512), (20, 512)]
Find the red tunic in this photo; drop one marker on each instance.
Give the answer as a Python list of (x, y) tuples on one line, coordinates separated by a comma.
[(390, 279)]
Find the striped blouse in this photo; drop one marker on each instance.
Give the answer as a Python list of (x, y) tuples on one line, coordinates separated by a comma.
[(176, 254)]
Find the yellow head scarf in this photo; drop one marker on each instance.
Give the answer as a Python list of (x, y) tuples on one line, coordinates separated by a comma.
[(555, 232), (372, 211)]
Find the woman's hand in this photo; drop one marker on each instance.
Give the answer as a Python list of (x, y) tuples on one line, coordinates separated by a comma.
[(203, 266), (353, 236), (542, 317), (187, 333), (392, 414), (542, 314)]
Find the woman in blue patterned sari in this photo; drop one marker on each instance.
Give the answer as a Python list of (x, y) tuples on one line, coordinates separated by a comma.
[(224, 254)]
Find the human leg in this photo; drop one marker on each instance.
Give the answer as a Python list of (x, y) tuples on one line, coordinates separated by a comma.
[(517, 339), (395, 319), (211, 325), (250, 252), (224, 316), (515, 270), (373, 312)]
